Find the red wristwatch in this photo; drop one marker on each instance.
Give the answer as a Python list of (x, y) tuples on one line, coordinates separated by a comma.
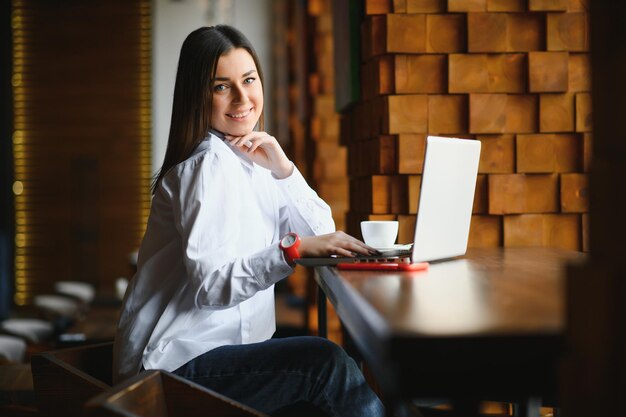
[(289, 245)]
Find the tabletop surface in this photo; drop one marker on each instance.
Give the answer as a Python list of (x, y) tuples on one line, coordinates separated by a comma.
[(486, 292)]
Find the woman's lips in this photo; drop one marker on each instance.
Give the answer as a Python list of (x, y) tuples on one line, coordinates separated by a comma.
[(239, 115)]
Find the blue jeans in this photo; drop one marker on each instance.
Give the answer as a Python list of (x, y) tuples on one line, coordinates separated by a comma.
[(270, 375)]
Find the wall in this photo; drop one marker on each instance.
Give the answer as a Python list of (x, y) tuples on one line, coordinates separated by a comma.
[(513, 74), (81, 140)]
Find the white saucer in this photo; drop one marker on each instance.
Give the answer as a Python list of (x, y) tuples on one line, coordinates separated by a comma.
[(395, 247)]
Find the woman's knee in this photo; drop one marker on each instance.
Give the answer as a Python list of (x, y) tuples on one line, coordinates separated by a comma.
[(327, 353)]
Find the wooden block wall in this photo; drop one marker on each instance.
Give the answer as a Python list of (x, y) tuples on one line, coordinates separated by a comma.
[(322, 152), (329, 174), (514, 74)]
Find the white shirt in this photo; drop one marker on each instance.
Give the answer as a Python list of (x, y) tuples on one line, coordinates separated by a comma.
[(210, 257)]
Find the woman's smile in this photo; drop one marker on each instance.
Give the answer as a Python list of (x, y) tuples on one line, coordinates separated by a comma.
[(240, 115)]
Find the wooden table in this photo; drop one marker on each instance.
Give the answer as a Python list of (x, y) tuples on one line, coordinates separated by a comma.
[(488, 325)]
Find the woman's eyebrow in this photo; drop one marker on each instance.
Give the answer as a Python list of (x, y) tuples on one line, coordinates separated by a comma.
[(228, 79)]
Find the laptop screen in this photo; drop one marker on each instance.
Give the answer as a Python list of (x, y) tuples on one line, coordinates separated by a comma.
[(446, 198)]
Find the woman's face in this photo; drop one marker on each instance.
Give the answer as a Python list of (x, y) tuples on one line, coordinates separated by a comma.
[(237, 94)]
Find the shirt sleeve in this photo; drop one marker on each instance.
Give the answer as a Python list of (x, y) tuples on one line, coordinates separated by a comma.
[(302, 210), (207, 211)]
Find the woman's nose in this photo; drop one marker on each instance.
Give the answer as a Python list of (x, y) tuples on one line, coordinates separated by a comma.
[(239, 95)]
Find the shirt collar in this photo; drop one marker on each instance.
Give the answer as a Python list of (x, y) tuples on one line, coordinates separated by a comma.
[(224, 144)]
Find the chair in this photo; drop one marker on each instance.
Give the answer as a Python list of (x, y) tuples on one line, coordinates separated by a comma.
[(65, 379), (16, 389), (54, 306), (12, 349), (31, 330), (83, 291), (162, 394)]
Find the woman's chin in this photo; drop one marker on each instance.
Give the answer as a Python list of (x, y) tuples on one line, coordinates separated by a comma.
[(239, 131)]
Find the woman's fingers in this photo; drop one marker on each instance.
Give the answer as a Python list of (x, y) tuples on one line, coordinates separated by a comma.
[(343, 252), (337, 243), (252, 140)]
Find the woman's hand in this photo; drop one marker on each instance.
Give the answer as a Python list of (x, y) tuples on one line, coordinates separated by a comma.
[(337, 243), (264, 150)]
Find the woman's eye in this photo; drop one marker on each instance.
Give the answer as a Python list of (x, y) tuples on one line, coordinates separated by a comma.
[(219, 87), (249, 80)]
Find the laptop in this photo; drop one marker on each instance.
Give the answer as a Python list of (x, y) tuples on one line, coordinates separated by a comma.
[(444, 210)]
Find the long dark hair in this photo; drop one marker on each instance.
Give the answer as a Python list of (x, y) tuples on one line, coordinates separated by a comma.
[(193, 92)]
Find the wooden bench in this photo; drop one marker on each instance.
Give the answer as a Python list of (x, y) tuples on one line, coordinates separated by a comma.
[(162, 394), (65, 379)]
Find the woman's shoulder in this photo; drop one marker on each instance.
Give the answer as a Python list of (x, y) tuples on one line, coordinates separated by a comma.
[(211, 156)]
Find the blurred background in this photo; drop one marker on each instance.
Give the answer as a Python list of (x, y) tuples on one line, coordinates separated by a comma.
[(352, 88)]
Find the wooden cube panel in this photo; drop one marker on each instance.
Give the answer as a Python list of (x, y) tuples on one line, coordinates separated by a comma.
[(487, 32), (375, 156), (579, 73), (587, 151), (404, 193), (520, 193), (377, 77), (556, 113), (447, 114), (507, 73), (399, 6), (487, 73), (550, 230), (567, 32), (505, 32), (578, 6), (467, 5), (502, 113), (406, 114), (545, 153), (485, 232), (399, 194), (335, 191), (497, 155), (330, 162), (468, 73), (488, 113), (419, 6), (584, 118), (585, 233), (406, 228), (548, 72), (574, 193), (366, 118), (522, 113), (414, 184), (506, 5), (446, 33), (410, 153), (481, 201), (547, 5), (376, 7), (398, 33), (420, 74), (526, 32), (371, 194)]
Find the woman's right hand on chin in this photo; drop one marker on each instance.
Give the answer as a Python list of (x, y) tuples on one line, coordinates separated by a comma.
[(336, 243)]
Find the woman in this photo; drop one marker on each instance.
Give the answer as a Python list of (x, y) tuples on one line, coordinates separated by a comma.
[(202, 302)]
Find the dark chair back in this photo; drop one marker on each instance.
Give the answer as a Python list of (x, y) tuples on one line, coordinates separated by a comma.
[(65, 379), (162, 394)]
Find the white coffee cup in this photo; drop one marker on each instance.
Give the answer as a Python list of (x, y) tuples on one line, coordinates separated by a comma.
[(379, 234)]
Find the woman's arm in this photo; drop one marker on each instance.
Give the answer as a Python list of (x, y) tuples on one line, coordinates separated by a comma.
[(223, 268)]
